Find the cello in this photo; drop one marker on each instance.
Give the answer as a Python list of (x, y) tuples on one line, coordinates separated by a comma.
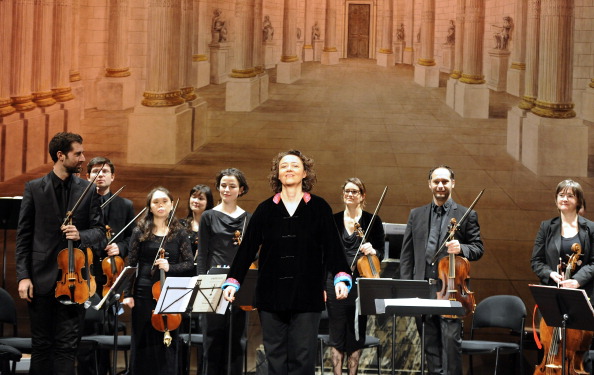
[(577, 342), (369, 265)]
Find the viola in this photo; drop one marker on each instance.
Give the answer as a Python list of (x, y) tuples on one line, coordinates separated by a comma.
[(577, 341), (367, 265), (454, 274), (112, 266), (237, 237), (163, 322), (76, 282)]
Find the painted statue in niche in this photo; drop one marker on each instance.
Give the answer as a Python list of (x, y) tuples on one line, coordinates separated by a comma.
[(315, 32), (451, 37), (400, 33), (219, 27), (298, 33), (503, 34), (268, 30)]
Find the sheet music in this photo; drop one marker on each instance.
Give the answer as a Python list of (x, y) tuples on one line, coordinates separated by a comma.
[(418, 302), (177, 292)]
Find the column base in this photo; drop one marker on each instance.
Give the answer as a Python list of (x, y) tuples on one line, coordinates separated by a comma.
[(515, 120), (219, 63), (203, 73), (199, 123), (408, 56), (12, 128), (588, 104), (318, 47), (472, 101), (427, 76), (447, 58), (515, 82), (308, 53), (264, 82), (547, 142), (398, 52), (288, 72), (165, 131), (115, 94), (271, 54), (497, 78), (386, 59), (242, 94), (329, 57), (451, 92)]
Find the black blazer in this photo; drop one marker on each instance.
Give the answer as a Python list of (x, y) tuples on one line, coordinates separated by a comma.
[(121, 212), (547, 246), (414, 243), (39, 238)]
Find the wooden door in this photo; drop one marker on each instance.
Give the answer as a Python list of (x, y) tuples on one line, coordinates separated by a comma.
[(358, 30)]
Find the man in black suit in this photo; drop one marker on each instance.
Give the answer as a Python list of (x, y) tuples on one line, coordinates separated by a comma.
[(426, 230), (117, 213), (40, 237)]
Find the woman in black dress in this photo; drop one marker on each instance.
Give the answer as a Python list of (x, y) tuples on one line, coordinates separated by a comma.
[(351, 223), (220, 234), (149, 355), (199, 201)]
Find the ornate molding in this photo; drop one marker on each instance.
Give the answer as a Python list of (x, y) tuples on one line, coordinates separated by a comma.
[(473, 79), (117, 72), (188, 94), (162, 99), (527, 103), (456, 74), (553, 110)]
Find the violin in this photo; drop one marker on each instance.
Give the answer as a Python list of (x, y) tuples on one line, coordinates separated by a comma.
[(577, 341), (74, 285), (112, 266), (163, 322), (367, 265), (237, 238), (454, 274)]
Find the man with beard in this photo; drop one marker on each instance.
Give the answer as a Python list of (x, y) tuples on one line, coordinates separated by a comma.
[(426, 230), (40, 237)]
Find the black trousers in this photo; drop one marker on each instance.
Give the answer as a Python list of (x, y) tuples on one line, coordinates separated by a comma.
[(215, 329), (55, 335), (443, 344), (290, 341)]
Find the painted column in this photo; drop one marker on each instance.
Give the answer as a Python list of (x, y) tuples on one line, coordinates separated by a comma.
[(22, 55), (5, 45), (532, 52), (517, 70), (288, 70), (385, 55), (200, 42), (330, 53), (409, 33), (551, 131), (472, 95), (75, 51), (459, 41), (426, 71), (162, 80), (41, 80), (185, 54), (62, 51), (308, 52), (259, 59)]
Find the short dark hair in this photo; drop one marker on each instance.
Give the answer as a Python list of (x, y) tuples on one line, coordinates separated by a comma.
[(62, 142), (444, 167), (203, 189), (307, 183), (235, 173), (100, 160), (575, 188)]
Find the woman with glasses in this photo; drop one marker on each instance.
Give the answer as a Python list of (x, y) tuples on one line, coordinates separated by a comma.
[(220, 233), (351, 223), (556, 236)]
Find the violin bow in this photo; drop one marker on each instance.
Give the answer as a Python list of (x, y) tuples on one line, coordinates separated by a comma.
[(379, 204), (171, 216), (112, 197), (127, 225), (71, 212), (454, 229)]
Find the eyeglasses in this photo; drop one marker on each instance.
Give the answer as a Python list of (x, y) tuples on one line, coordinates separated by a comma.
[(351, 192)]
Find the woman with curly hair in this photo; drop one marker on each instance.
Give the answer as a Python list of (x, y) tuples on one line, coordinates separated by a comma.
[(298, 244), (148, 353)]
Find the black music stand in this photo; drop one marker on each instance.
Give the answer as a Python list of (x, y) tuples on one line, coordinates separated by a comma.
[(372, 290), (565, 308), (123, 281), (9, 217)]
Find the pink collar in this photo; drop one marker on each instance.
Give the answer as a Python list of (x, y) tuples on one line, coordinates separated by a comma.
[(277, 198)]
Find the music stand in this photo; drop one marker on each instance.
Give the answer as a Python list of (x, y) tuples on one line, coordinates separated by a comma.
[(371, 290), (245, 298), (123, 281), (565, 308), (9, 217)]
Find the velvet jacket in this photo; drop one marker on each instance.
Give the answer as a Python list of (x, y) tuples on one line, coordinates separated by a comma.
[(547, 247), (295, 254)]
